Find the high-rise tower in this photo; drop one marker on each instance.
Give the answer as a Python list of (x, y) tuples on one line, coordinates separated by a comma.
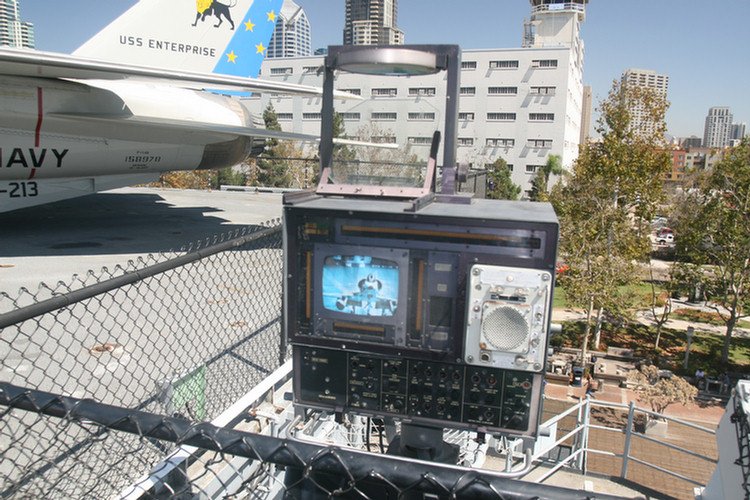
[(372, 22), (647, 79), (718, 127), (291, 37), (14, 32)]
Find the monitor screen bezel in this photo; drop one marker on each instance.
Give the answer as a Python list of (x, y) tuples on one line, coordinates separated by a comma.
[(394, 326)]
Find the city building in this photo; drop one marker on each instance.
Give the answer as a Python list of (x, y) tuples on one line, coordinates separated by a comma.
[(690, 142), (291, 36), (718, 127), (588, 99), (372, 22), (737, 133), (520, 104), (648, 79), (675, 178), (13, 31)]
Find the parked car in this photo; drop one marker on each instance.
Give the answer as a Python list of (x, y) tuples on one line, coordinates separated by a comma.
[(666, 239)]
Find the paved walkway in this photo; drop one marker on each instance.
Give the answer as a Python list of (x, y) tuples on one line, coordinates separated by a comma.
[(645, 317), (701, 413)]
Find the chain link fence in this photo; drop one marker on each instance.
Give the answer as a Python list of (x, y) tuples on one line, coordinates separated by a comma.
[(167, 379), (181, 334)]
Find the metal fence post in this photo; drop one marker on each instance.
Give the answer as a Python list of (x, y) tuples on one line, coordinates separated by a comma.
[(585, 434), (628, 435)]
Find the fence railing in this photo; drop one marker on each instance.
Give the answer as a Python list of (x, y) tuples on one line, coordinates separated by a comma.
[(162, 380), (185, 334)]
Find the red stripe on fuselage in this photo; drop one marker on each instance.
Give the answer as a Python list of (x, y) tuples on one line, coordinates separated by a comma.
[(39, 115), (37, 132)]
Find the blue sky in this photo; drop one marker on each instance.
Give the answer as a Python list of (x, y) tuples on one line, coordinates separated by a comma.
[(701, 45)]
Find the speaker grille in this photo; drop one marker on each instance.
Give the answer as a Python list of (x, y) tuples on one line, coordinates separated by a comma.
[(505, 328)]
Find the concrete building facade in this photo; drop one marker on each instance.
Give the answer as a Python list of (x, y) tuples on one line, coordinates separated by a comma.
[(716, 133), (372, 22), (648, 79), (291, 36), (520, 104), (13, 31)]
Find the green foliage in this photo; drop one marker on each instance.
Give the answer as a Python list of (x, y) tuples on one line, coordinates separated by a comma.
[(614, 188), (272, 171), (500, 186), (539, 184), (227, 177), (713, 244)]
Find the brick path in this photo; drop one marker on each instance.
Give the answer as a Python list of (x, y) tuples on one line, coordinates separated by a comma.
[(560, 397)]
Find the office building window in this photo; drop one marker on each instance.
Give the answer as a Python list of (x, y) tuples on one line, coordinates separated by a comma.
[(465, 141), (544, 63), (541, 117), (542, 91), (530, 169), (350, 116), (468, 91), (468, 65), (310, 69), (421, 141), (466, 117), (352, 91), (494, 117), (384, 92), (311, 116), (501, 142), (384, 116), (422, 91), (502, 90), (281, 71), (422, 116), (503, 64), (539, 143), (285, 116)]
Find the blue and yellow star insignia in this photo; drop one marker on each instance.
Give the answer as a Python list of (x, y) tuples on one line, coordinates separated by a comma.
[(260, 48), (271, 16), (249, 25), (232, 57)]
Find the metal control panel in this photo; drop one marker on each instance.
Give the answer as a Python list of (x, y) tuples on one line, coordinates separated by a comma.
[(461, 395)]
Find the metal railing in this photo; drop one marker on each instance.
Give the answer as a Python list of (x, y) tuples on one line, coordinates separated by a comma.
[(182, 334), (108, 390)]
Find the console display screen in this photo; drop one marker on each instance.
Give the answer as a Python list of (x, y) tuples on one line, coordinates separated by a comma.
[(360, 285)]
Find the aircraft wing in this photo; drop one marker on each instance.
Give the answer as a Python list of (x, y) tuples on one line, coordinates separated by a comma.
[(31, 63), (188, 125)]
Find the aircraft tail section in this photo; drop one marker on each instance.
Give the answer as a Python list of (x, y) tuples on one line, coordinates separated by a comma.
[(207, 36)]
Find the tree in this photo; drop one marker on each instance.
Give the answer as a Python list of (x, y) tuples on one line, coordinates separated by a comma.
[(660, 392), (272, 166), (539, 185), (227, 177), (605, 207), (500, 186), (713, 237)]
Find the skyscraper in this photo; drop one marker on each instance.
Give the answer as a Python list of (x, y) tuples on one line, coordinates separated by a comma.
[(14, 32), (718, 127), (372, 22), (291, 37), (647, 79)]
